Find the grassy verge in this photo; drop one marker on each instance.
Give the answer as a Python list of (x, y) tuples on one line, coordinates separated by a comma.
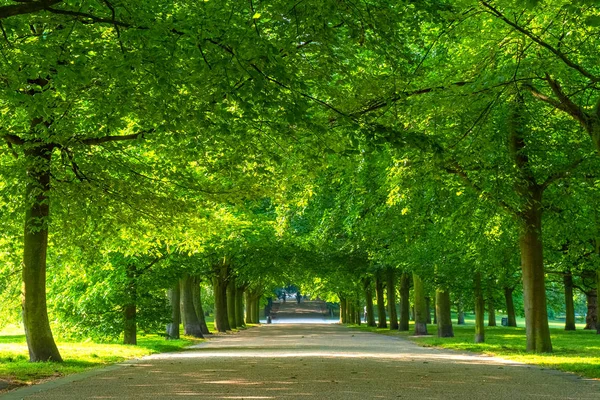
[(16, 370), (577, 352)]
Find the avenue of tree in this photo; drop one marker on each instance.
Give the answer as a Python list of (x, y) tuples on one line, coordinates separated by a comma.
[(428, 154)]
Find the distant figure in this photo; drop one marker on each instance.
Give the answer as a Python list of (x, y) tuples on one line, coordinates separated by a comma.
[(283, 296), (298, 297)]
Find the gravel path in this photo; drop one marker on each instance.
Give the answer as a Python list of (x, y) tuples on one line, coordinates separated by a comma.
[(285, 361)]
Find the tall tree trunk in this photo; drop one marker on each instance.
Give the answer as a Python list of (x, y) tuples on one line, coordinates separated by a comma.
[(391, 297), (357, 310), (479, 310), (231, 301), (491, 310), (249, 315), (220, 293), (569, 305), (197, 296), (174, 300), (191, 326), (239, 307), (40, 341), (130, 307), (256, 308), (343, 307), (435, 309), (420, 306), (369, 301), (381, 322), (510, 307), (443, 313), (598, 285), (404, 302), (351, 312), (428, 307), (460, 313), (591, 318)]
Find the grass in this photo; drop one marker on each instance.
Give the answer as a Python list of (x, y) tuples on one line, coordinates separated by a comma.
[(574, 351), (79, 356)]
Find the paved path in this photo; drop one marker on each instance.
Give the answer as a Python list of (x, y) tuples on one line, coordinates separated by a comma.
[(320, 362)]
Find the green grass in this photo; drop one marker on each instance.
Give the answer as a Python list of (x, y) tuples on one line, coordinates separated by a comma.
[(575, 351), (79, 356)]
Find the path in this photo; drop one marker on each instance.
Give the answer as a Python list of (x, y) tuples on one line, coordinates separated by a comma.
[(307, 312)]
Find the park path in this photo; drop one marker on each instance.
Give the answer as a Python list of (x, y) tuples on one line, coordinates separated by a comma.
[(321, 361)]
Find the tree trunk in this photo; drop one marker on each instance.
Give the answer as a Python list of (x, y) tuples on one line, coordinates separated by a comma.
[(391, 297), (443, 313), (220, 293), (369, 301), (130, 308), (460, 313), (351, 312), (239, 307), (40, 342), (343, 314), (428, 307), (435, 309), (191, 326), (231, 292), (569, 305), (404, 302), (591, 319), (479, 310), (420, 306), (249, 315), (256, 308), (174, 300), (491, 311), (381, 322), (510, 307), (598, 284), (197, 296)]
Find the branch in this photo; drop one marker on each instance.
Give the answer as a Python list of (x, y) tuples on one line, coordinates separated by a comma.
[(562, 56), (13, 139), (90, 17), (117, 138), (26, 8), (562, 174)]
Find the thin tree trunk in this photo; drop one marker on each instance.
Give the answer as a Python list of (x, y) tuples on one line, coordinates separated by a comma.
[(434, 299), (231, 292), (510, 307), (239, 307), (443, 313), (569, 305), (343, 314), (249, 316), (381, 322), (174, 300), (256, 308), (192, 324), (479, 310), (428, 306), (491, 310), (460, 313), (404, 302), (351, 312), (357, 310), (591, 318), (369, 303), (197, 295), (598, 284), (391, 297), (130, 308), (420, 306), (40, 341)]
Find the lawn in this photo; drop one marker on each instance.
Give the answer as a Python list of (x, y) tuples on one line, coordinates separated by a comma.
[(78, 355), (577, 352)]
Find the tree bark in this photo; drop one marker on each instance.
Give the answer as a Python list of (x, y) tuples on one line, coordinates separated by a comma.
[(460, 314), (249, 315), (443, 313), (239, 307), (256, 308), (510, 307), (369, 301), (231, 301), (40, 341), (191, 326), (491, 311), (220, 293), (479, 310), (569, 305), (435, 309), (381, 320), (391, 297), (404, 302), (591, 318), (174, 300), (428, 307), (598, 284), (197, 296), (420, 306), (130, 308), (343, 307)]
